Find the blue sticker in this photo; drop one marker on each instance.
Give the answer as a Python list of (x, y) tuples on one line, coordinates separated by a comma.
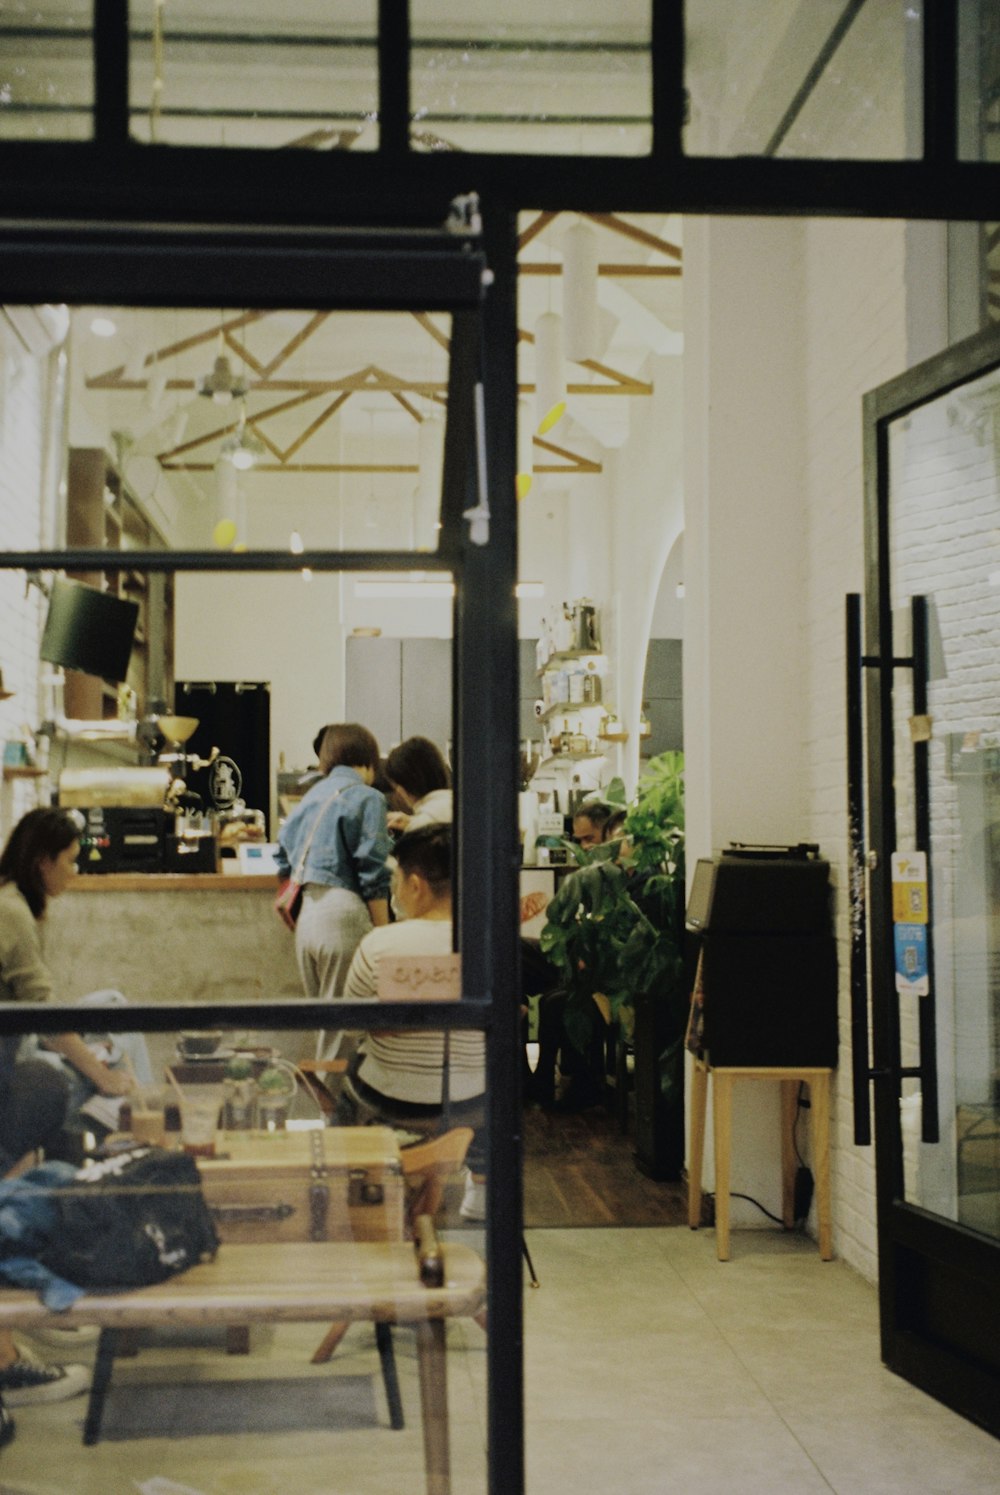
[(910, 942)]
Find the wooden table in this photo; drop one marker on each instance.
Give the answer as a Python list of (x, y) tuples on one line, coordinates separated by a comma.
[(290, 1282)]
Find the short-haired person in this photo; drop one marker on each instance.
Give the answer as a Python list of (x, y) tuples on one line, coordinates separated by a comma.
[(397, 1078), (420, 777), (336, 843), (589, 822)]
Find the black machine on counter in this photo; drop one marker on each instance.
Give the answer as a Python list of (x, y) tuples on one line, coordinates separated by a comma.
[(145, 819)]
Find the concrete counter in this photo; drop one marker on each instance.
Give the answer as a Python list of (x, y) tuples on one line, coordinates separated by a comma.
[(172, 937)]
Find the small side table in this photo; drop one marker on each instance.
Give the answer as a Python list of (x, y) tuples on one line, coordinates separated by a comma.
[(818, 1080)]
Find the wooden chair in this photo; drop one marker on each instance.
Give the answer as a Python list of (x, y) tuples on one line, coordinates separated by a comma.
[(427, 1166)]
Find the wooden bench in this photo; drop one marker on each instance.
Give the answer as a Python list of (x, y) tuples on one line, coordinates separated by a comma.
[(290, 1282)]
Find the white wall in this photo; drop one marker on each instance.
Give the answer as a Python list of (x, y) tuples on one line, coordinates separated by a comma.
[(23, 400), (745, 540)]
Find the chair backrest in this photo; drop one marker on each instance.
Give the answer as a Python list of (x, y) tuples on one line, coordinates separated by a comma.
[(427, 1167)]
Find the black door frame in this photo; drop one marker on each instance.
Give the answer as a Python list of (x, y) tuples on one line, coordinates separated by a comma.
[(939, 1282), (375, 270)]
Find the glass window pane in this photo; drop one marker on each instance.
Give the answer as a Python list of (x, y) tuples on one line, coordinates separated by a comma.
[(279, 1230), (303, 75), (979, 82), (46, 71), (818, 80), (574, 80), (949, 445), (250, 429)]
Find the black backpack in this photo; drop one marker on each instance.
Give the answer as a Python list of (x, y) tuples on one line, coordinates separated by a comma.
[(130, 1220)]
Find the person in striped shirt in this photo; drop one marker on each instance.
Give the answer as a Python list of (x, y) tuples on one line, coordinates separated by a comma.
[(399, 1078)]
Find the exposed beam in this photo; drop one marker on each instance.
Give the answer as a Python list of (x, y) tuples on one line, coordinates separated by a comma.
[(552, 267), (402, 467), (574, 461), (535, 228), (640, 235)]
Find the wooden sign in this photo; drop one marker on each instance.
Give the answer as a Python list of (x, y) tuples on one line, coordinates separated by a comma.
[(420, 978)]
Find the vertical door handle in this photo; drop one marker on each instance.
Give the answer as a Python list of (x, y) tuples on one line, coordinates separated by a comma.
[(927, 1012), (857, 907)]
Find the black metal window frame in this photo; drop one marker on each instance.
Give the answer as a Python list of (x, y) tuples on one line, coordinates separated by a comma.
[(373, 270), (909, 1235), (113, 176)]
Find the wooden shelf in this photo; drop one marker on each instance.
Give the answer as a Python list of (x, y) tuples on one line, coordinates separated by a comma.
[(568, 656), (23, 771), (570, 708), (570, 758)]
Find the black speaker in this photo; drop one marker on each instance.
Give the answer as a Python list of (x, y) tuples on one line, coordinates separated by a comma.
[(770, 999), (769, 959)]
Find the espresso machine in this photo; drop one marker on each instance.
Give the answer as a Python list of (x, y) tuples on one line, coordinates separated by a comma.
[(191, 843)]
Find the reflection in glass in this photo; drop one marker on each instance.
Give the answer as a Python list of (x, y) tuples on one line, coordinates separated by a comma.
[(820, 80), (289, 429), (945, 546), (574, 80), (328, 1269), (46, 71), (303, 76), (979, 82)]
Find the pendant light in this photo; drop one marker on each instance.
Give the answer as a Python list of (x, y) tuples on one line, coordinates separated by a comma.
[(550, 379), (579, 248), (242, 447)]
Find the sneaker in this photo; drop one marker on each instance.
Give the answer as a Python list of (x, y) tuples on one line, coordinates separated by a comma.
[(29, 1380), (7, 1428), (67, 1341), (473, 1205)]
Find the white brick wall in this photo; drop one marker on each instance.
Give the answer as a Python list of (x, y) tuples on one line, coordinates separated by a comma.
[(855, 338)]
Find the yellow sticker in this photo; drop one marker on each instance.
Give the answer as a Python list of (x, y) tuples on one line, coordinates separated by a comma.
[(909, 903)]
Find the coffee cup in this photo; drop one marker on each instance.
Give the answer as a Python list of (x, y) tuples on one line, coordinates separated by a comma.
[(200, 1119)]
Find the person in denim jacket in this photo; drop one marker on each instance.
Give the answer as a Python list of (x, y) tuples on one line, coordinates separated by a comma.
[(339, 828)]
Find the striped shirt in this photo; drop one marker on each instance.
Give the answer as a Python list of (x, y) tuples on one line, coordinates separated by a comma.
[(407, 1066)]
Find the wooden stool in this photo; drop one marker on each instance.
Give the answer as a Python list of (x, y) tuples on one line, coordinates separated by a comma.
[(818, 1080)]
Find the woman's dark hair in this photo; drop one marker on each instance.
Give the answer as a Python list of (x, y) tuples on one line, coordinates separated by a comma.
[(38, 836), (318, 739), (427, 851), (348, 745), (417, 766)]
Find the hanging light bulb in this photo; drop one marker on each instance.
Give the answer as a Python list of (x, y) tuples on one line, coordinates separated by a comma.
[(525, 451), (579, 249), (242, 447), (550, 380)]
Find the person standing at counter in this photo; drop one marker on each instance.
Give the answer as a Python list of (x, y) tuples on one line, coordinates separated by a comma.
[(336, 843), (420, 777)]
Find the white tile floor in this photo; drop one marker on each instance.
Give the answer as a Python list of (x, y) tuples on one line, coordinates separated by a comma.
[(650, 1368)]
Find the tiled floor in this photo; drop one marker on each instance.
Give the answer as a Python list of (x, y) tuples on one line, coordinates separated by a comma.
[(650, 1368)]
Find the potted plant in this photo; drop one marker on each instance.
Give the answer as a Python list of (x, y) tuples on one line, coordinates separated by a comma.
[(615, 933)]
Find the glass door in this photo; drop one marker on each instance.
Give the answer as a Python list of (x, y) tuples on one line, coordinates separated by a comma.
[(932, 670)]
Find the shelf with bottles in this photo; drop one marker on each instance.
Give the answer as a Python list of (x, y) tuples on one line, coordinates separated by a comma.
[(572, 656), (571, 708), (571, 757), (568, 630)]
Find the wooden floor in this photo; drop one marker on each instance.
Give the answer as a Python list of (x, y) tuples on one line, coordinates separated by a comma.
[(579, 1170)]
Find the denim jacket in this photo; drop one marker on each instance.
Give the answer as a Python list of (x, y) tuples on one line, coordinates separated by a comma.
[(350, 844)]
